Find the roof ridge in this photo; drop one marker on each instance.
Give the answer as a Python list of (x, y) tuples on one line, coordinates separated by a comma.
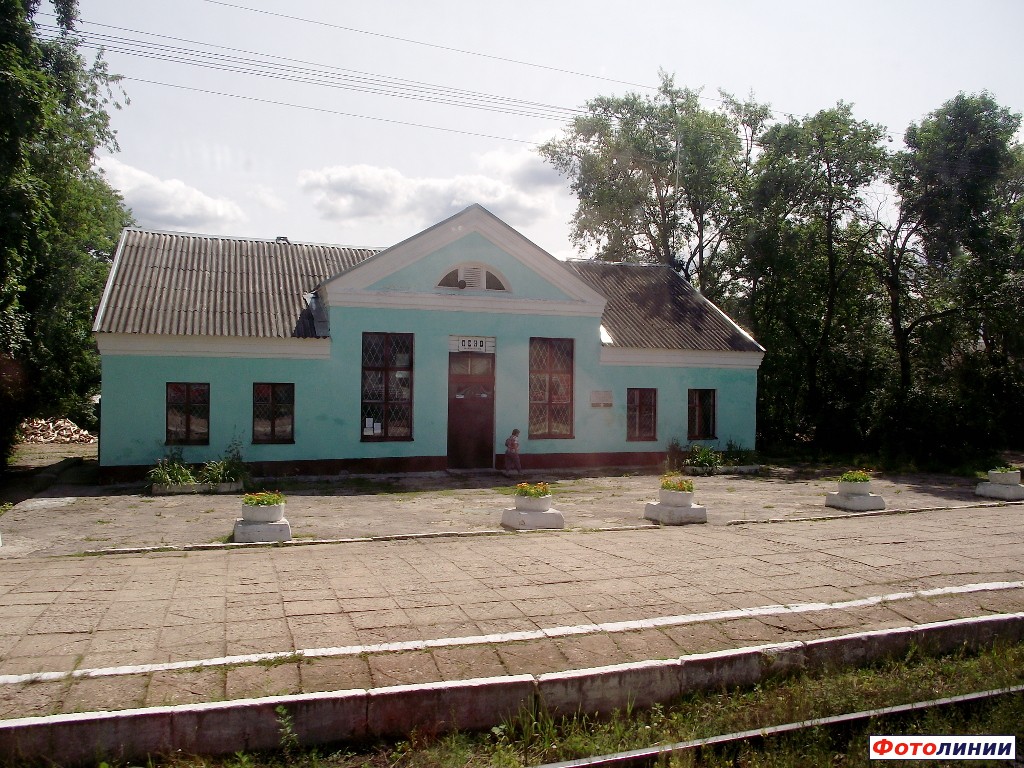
[(601, 262), (248, 239)]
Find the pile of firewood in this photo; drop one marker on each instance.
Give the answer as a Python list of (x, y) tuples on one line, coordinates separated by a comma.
[(53, 431)]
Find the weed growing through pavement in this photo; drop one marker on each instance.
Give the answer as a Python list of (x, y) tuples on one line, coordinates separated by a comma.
[(286, 724)]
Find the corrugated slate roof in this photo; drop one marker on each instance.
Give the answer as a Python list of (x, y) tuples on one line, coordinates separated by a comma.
[(652, 307), (187, 284)]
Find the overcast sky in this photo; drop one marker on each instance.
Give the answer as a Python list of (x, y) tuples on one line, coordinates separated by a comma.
[(322, 171)]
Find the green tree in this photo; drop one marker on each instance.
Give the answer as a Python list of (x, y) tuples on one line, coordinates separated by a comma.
[(61, 217), (656, 178), (951, 265), (805, 268)]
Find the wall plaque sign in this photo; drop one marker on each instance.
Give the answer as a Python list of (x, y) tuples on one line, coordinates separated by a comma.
[(471, 344)]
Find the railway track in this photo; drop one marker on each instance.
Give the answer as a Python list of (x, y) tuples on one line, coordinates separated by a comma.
[(650, 756)]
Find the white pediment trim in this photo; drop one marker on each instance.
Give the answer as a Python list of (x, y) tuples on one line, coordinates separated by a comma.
[(492, 302), (168, 345), (476, 219), (680, 358)]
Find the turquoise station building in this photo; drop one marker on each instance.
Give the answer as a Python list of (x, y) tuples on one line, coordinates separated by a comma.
[(316, 359)]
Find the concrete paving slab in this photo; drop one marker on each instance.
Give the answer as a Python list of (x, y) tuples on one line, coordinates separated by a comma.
[(465, 662), (259, 680), (530, 656), (644, 645), (93, 694), (32, 699), (138, 609), (403, 668), (329, 674), (581, 651), (115, 516), (185, 687)]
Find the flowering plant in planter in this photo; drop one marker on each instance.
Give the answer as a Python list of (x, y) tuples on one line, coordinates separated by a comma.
[(676, 483), (533, 491), (263, 507), (263, 499), (855, 483), (1004, 476), (856, 476)]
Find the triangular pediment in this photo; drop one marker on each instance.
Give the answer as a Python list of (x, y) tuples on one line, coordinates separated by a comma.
[(471, 261)]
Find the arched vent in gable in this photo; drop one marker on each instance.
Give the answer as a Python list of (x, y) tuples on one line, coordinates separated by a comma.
[(473, 277)]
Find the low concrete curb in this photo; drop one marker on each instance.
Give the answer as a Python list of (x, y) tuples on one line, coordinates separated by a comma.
[(350, 540), (876, 513), (268, 723)]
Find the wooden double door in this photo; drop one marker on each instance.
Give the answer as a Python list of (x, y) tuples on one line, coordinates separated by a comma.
[(470, 410)]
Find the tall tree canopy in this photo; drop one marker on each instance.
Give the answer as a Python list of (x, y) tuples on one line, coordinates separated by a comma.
[(951, 267), (656, 178), (887, 285), (60, 217), (807, 262)]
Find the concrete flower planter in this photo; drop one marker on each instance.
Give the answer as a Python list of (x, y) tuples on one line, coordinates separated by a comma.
[(262, 524), (159, 489), (675, 498), (847, 488), (1004, 478), (854, 497), (270, 513), (532, 513), (533, 503), (1002, 485), (675, 508)]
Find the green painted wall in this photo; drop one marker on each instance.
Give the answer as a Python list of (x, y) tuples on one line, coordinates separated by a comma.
[(132, 429)]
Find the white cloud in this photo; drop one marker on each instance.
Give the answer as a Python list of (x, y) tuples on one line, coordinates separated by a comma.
[(266, 197), (169, 203), (366, 192), (523, 167)]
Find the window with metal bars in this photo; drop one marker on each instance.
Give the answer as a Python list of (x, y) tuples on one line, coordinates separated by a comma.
[(188, 413), (700, 422), (641, 414), (387, 387), (551, 388), (273, 413)]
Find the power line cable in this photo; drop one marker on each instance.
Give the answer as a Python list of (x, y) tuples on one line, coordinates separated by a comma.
[(327, 111), (437, 46), (317, 22), (438, 94), (320, 82), (466, 52), (256, 67), (314, 74), (145, 48)]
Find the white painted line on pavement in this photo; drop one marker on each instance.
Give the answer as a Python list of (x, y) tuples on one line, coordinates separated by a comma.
[(511, 637)]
